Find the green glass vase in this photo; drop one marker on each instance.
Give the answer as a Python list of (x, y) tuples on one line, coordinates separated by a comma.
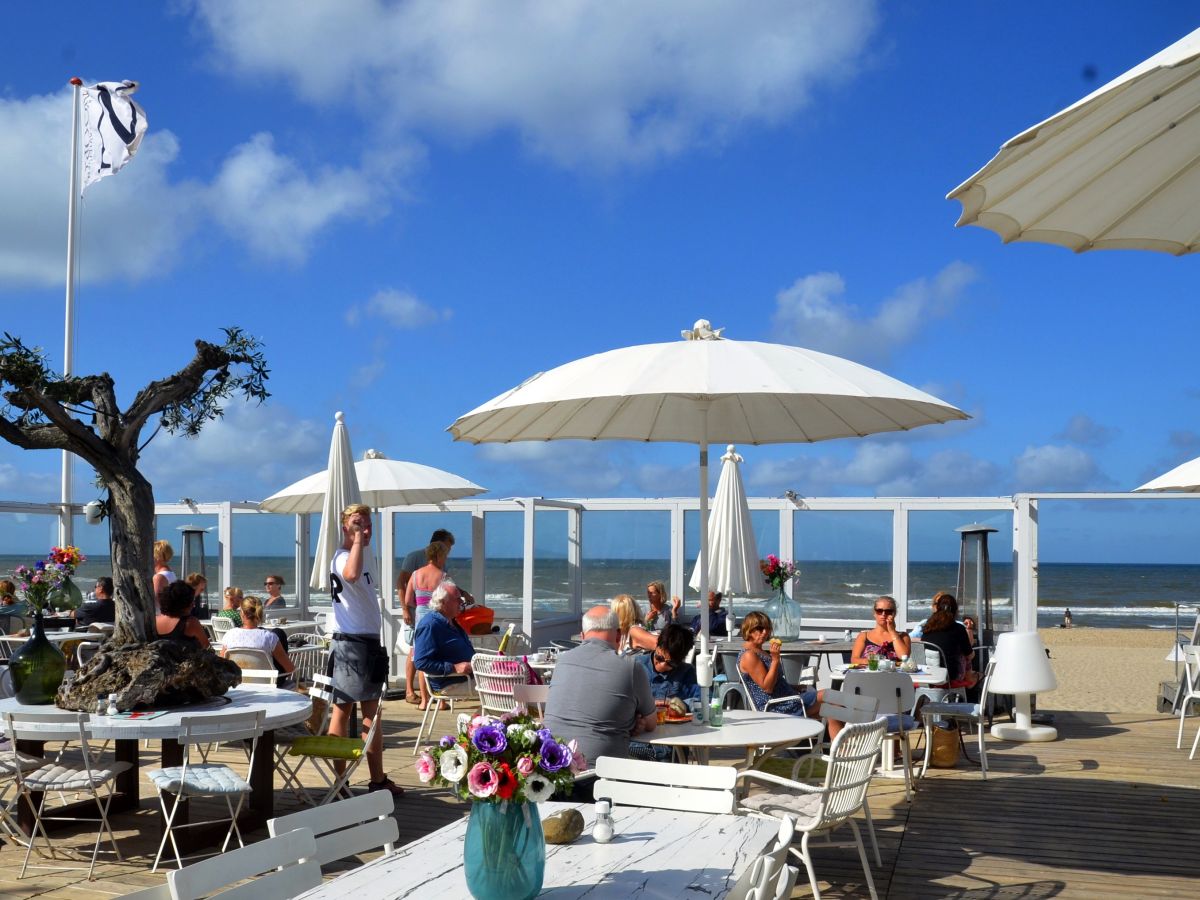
[(504, 856), (37, 667)]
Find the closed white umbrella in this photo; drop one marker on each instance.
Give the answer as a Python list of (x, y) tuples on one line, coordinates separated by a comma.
[(700, 390), (383, 482), (733, 555), (1184, 478), (341, 490), (1118, 169)]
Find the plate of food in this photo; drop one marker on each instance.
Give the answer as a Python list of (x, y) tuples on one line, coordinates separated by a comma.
[(673, 711)]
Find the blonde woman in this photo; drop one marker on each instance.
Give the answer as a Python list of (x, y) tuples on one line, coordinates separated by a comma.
[(659, 614), (634, 635), (251, 635), (163, 576), (232, 606)]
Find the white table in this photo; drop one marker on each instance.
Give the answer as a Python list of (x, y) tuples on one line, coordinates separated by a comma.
[(303, 626), (282, 708), (925, 676), (654, 853), (54, 637), (741, 729)]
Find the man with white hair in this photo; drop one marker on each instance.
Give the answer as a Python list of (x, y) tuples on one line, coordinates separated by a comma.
[(597, 697), (441, 648)]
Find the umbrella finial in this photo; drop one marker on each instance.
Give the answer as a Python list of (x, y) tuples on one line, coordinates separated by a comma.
[(374, 454), (702, 331), (339, 418)]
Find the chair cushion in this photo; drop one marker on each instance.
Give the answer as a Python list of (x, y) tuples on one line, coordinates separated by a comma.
[(209, 778), (24, 761), (962, 710), (801, 807), (328, 746), (910, 724), (54, 777)]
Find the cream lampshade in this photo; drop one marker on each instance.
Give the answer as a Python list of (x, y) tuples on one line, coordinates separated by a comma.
[(1022, 669)]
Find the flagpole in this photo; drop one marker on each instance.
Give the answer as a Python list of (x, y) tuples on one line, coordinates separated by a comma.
[(66, 524)]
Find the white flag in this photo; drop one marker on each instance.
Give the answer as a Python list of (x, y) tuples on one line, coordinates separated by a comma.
[(113, 126)]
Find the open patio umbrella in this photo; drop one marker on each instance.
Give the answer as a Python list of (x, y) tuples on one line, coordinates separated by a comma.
[(699, 390), (1184, 478), (1118, 169), (341, 489), (733, 555)]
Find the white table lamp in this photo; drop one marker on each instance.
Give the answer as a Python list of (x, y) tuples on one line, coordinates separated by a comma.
[(1022, 669)]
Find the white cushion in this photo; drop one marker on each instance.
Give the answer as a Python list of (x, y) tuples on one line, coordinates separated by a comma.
[(27, 763), (201, 779), (54, 777), (801, 807), (951, 709)]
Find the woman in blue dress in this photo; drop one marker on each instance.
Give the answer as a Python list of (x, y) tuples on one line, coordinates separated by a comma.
[(763, 672)]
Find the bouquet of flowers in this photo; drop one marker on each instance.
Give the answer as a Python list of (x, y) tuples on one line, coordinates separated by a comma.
[(50, 580), (778, 572), (501, 758)]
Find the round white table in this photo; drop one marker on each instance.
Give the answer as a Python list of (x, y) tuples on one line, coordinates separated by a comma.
[(54, 637), (282, 708), (925, 676), (742, 729)]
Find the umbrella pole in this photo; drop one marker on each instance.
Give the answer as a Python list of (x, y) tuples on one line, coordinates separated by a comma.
[(703, 666)]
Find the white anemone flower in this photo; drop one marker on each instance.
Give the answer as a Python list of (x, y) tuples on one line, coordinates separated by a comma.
[(463, 721), (538, 788), (454, 764)]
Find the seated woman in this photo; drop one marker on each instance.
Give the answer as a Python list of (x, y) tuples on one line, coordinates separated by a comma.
[(634, 635), (252, 636), (943, 631), (275, 599), (883, 639), (200, 586), (659, 613), (765, 680), (232, 606), (175, 620)]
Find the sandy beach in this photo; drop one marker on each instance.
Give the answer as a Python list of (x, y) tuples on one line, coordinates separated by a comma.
[(1107, 669)]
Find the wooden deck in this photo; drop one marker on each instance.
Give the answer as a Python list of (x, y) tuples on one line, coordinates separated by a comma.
[(1108, 810)]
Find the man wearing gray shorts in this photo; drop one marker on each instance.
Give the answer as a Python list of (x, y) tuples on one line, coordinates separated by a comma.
[(357, 662)]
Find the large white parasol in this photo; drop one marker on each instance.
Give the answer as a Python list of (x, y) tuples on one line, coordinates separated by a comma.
[(1184, 478), (733, 555), (700, 390), (341, 490), (1118, 169)]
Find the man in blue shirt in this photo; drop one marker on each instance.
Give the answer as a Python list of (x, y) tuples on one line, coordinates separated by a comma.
[(441, 648), (669, 675)]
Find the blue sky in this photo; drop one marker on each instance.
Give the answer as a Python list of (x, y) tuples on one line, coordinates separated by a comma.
[(417, 205)]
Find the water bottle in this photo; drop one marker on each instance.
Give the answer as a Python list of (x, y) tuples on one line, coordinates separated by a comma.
[(602, 831), (716, 714)]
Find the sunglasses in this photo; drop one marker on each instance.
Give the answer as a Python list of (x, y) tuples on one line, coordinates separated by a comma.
[(664, 660), (271, 584), (883, 612)]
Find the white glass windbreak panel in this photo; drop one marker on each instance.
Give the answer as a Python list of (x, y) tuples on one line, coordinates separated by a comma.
[(765, 523), (845, 560), (28, 537), (503, 571), (551, 575), (933, 551), (264, 545), (168, 530), (413, 531), (623, 551)]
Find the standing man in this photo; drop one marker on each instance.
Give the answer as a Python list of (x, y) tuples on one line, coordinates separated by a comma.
[(357, 661)]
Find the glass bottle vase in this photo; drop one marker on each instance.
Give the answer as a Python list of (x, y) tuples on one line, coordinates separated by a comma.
[(504, 856), (784, 613), (37, 667)]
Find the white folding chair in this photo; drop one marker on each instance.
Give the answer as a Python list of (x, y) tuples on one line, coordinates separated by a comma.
[(974, 713), (201, 779), (85, 651), (769, 876), (346, 827), (895, 693), (53, 776), (819, 811), (257, 666), (635, 782), (495, 679), (446, 697), (1189, 692), (326, 751), (220, 626), (533, 695), (281, 866)]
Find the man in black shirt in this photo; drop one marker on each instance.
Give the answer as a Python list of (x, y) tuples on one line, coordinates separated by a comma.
[(102, 609)]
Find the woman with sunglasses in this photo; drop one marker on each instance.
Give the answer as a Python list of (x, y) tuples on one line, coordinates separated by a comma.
[(275, 599), (765, 679), (883, 640)]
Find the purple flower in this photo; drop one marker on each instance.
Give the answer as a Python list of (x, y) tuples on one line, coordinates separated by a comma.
[(543, 736), (555, 756), (446, 741), (490, 739)]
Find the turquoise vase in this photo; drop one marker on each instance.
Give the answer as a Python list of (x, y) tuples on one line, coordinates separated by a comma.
[(505, 853), (785, 617), (37, 668)]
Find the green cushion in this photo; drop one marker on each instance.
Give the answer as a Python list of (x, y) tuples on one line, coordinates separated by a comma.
[(328, 746)]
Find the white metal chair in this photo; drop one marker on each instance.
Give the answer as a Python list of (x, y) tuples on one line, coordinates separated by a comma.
[(1189, 693), (53, 776), (85, 651), (281, 866), (495, 679), (220, 626), (202, 779), (974, 713), (895, 693), (819, 811), (324, 752), (750, 704), (533, 695), (634, 782), (346, 827), (446, 696), (256, 665), (769, 876)]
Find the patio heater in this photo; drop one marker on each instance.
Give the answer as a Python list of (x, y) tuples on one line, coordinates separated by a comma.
[(193, 561), (974, 590)]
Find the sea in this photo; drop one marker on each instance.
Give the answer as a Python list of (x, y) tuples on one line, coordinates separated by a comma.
[(1112, 595)]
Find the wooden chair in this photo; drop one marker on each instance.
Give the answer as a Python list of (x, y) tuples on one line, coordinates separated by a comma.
[(281, 866), (973, 713), (346, 827), (895, 693), (819, 811), (633, 782)]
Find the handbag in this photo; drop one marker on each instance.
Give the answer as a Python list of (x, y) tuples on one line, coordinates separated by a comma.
[(944, 748)]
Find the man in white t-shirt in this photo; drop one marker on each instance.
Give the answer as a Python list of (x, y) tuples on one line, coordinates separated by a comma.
[(357, 662)]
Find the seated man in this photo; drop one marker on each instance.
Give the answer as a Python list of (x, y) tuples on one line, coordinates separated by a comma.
[(598, 698), (669, 677), (102, 609), (441, 648), (718, 620)]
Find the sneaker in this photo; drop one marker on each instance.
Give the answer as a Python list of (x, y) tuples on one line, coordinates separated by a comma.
[(386, 785)]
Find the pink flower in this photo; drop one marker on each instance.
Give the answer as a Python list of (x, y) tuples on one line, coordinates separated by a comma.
[(578, 759), (482, 780), (526, 765), (425, 768)]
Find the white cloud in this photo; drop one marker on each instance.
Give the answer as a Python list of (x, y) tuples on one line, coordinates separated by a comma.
[(588, 83), (554, 468), (1057, 468), (399, 309), (814, 313), (275, 207), (1087, 432)]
